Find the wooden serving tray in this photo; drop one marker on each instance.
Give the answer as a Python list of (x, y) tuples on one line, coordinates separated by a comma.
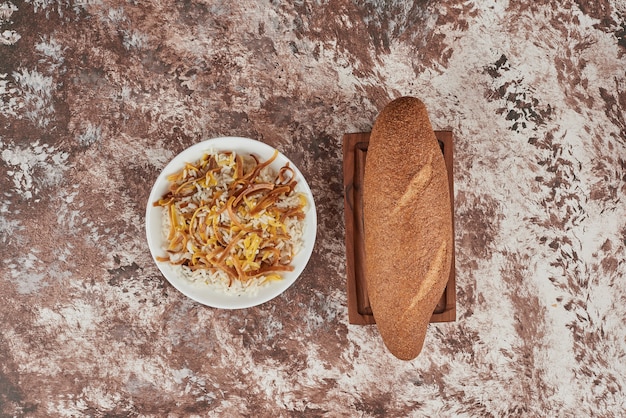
[(354, 155)]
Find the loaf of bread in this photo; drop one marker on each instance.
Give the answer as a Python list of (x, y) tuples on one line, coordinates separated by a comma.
[(407, 224)]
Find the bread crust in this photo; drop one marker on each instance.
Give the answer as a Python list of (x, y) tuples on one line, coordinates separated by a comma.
[(407, 218)]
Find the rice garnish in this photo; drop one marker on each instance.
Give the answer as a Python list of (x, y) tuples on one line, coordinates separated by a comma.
[(232, 222)]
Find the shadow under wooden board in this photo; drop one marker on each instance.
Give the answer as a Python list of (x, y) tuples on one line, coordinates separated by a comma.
[(354, 155)]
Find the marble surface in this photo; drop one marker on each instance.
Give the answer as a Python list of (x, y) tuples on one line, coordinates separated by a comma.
[(96, 96)]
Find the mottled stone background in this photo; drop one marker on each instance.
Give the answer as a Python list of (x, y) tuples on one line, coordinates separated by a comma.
[(96, 96)]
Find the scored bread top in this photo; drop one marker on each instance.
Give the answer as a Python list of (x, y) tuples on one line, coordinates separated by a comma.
[(408, 225)]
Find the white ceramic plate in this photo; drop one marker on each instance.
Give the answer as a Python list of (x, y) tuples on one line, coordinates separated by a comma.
[(201, 292)]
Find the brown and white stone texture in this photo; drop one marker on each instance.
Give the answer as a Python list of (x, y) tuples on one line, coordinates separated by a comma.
[(97, 96)]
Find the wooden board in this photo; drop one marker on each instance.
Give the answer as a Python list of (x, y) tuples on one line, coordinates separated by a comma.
[(354, 155)]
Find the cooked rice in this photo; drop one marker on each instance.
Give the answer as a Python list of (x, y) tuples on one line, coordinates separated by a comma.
[(219, 280)]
